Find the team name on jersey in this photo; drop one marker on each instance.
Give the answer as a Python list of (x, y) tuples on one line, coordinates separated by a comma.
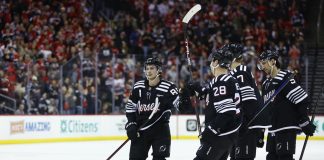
[(267, 96), (146, 107)]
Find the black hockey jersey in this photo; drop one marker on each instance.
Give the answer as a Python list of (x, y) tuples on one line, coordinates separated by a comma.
[(221, 111), (142, 101), (251, 98), (289, 106)]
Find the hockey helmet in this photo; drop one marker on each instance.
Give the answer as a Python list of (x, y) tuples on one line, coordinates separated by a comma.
[(153, 61), (236, 49), (224, 57), (269, 54)]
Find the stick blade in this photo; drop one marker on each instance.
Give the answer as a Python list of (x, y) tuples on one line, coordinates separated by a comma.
[(191, 13)]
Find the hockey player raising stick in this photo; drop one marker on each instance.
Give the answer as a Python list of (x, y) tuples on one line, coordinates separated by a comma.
[(250, 136), (141, 103), (222, 118), (288, 109)]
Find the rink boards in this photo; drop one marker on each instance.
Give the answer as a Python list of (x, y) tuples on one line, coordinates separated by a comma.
[(40, 129)]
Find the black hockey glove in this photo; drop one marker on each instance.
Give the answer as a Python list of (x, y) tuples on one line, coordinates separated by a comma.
[(260, 138), (131, 128), (193, 88), (208, 133), (307, 127)]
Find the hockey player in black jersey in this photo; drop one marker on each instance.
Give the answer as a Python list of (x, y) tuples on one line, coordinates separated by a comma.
[(222, 117), (250, 136), (288, 109), (155, 132)]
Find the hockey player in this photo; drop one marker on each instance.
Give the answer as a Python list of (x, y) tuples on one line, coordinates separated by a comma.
[(222, 118), (250, 136), (288, 109), (156, 131)]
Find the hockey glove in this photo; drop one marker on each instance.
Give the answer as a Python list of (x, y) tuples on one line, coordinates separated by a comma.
[(260, 138), (307, 127), (208, 133), (131, 128), (193, 88), (184, 101)]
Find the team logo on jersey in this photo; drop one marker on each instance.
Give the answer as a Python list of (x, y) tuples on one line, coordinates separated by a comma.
[(148, 94)]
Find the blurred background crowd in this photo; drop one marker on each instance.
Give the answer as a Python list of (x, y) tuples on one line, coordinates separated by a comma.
[(83, 56)]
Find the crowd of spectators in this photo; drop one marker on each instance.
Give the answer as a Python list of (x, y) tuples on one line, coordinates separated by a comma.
[(61, 57)]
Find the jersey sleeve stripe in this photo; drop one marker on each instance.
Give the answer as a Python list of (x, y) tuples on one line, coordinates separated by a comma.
[(130, 106), (161, 89), (226, 110), (223, 77), (296, 94), (293, 91), (280, 75), (249, 98), (228, 77), (228, 100), (139, 83), (139, 86), (224, 105), (247, 93), (218, 110), (167, 84), (163, 86), (301, 99)]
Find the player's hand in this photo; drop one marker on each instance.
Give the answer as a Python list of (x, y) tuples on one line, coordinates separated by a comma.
[(260, 138), (208, 133), (193, 87), (307, 127), (131, 128)]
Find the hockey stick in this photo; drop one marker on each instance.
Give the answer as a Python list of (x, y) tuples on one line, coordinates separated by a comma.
[(185, 22), (150, 117), (279, 89), (312, 120)]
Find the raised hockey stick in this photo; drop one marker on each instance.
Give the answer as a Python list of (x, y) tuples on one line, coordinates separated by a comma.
[(156, 107), (185, 22), (279, 89), (312, 120)]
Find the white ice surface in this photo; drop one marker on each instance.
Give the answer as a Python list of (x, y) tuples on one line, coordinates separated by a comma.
[(100, 150)]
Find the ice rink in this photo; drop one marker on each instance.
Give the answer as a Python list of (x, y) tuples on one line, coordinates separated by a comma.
[(100, 150)]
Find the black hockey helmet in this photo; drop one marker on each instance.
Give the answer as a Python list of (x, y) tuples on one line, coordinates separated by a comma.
[(224, 57), (236, 49), (269, 54), (153, 61)]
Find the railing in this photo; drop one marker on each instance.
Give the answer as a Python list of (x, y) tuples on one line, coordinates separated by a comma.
[(8, 103)]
